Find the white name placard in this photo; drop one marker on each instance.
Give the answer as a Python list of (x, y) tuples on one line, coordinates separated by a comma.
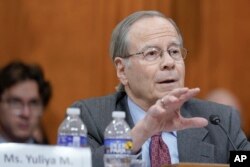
[(29, 155)]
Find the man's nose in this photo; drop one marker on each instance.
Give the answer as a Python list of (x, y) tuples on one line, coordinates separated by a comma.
[(167, 61), (26, 111)]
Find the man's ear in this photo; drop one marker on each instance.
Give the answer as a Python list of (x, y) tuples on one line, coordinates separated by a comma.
[(120, 65)]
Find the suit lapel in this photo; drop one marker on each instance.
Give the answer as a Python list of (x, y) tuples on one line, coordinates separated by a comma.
[(191, 144), (192, 148), (122, 105)]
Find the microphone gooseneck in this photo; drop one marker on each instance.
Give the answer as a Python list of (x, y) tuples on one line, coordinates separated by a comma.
[(215, 120)]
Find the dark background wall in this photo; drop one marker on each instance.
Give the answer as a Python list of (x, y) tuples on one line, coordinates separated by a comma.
[(70, 40)]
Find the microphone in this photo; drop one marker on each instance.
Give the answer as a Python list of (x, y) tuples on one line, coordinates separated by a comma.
[(215, 120)]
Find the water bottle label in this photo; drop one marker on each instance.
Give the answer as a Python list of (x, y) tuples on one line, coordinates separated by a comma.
[(72, 141), (118, 146)]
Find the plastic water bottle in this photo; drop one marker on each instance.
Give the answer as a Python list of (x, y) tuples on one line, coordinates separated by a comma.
[(72, 131), (117, 141)]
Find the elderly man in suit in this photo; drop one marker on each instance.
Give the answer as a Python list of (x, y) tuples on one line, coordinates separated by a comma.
[(148, 53)]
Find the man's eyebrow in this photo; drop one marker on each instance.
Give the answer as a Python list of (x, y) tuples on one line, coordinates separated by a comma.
[(20, 99), (14, 97), (35, 100), (149, 46), (174, 44)]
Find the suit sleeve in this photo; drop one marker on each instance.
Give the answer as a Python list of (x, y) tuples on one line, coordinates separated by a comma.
[(236, 132), (95, 136)]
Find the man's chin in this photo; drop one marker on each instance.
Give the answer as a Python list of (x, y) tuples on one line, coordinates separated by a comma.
[(22, 137), (164, 91), (166, 88)]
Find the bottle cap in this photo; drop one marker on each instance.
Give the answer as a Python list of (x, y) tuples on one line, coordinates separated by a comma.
[(73, 111), (118, 114)]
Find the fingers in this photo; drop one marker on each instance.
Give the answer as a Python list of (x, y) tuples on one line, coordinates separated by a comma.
[(168, 100), (195, 122), (165, 114), (179, 94), (190, 93)]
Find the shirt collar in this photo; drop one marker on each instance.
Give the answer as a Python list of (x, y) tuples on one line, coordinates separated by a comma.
[(3, 140)]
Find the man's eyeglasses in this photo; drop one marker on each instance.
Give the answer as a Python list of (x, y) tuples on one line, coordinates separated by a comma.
[(154, 54), (17, 105)]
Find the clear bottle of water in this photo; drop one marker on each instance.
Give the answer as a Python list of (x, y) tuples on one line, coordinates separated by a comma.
[(72, 131), (117, 141)]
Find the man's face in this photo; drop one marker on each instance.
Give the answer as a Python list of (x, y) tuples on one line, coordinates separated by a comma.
[(144, 81), (20, 110)]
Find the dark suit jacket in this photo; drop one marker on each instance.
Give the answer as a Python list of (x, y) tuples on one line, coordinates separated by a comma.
[(208, 144)]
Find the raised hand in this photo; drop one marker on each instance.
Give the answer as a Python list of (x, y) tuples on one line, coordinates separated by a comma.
[(165, 115)]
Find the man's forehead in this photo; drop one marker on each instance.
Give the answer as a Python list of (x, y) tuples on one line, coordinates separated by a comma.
[(148, 29), (25, 89), (159, 34)]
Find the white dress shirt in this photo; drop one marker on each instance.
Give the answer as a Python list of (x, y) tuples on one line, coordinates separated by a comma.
[(170, 138)]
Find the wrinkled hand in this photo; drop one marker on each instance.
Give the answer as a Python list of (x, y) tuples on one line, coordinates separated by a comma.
[(165, 114)]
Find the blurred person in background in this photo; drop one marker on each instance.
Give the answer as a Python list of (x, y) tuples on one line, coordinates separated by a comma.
[(24, 94), (226, 97)]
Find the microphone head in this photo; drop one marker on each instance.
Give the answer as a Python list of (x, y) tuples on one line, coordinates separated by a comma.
[(214, 119)]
